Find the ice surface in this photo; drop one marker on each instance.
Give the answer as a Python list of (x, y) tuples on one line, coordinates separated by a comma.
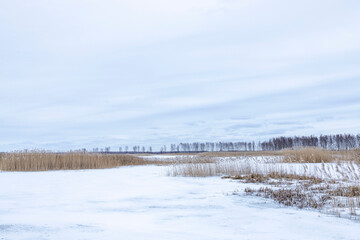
[(143, 203)]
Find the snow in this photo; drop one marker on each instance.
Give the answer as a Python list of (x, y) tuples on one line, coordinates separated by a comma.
[(143, 203), (175, 158), (157, 156)]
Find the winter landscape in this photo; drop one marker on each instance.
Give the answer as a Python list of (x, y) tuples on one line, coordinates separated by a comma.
[(307, 193), (182, 119)]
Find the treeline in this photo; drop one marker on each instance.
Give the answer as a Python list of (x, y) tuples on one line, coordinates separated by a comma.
[(330, 142)]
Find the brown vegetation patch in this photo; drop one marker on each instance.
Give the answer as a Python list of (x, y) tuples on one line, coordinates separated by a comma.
[(252, 178), (330, 187), (332, 196), (355, 155), (240, 154), (44, 161), (308, 155), (349, 191), (294, 197), (269, 177)]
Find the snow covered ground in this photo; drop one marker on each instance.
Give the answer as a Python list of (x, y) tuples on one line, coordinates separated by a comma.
[(162, 156), (143, 203), (174, 158)]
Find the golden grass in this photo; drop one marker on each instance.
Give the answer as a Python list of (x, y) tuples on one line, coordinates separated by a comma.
[(208, 169), (292, 197), (346, 191), (240, 154), (355, 155), (266, 178), (294, 164), (308, 155), (305, 178), (45, 161), (299, 186), (302, 155), (335, 198), (257, 172)]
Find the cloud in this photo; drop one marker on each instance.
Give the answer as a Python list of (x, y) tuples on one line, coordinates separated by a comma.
[(97, 73)]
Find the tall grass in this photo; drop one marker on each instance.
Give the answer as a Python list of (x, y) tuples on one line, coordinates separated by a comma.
[(44, 161), (308, 155), (240, 154), (318, 155), (302, 155), (355, 155), (228, 168), (305, 178), (246, 166)]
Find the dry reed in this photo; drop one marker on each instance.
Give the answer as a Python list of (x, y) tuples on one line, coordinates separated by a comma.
[(44, 161), (301, 155), (307, 155), (305, 178), (240, 154)]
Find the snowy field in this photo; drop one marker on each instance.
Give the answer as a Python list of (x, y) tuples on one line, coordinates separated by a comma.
[(144, 203)]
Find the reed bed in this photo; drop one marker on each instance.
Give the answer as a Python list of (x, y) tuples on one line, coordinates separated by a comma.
[(300, 155), (308, 155), (305, 178), (45, 161), (304, 181), (240, 154), (355, 155), (332, 198), (340, 171)]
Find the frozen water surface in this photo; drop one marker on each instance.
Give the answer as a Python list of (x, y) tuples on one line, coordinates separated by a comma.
[(143, 203)]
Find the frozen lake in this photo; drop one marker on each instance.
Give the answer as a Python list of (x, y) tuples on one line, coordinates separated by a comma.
[(143, 203)]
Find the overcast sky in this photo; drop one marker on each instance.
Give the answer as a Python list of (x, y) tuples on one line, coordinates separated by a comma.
[(96, 73)]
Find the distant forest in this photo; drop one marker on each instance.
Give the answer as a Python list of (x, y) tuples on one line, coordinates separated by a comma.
[(330, 142)]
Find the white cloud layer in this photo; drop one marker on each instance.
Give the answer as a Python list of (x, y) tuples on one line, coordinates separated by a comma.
[(79, 73)]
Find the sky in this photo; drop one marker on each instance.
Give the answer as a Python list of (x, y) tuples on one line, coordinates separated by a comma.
[(90, 73)]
